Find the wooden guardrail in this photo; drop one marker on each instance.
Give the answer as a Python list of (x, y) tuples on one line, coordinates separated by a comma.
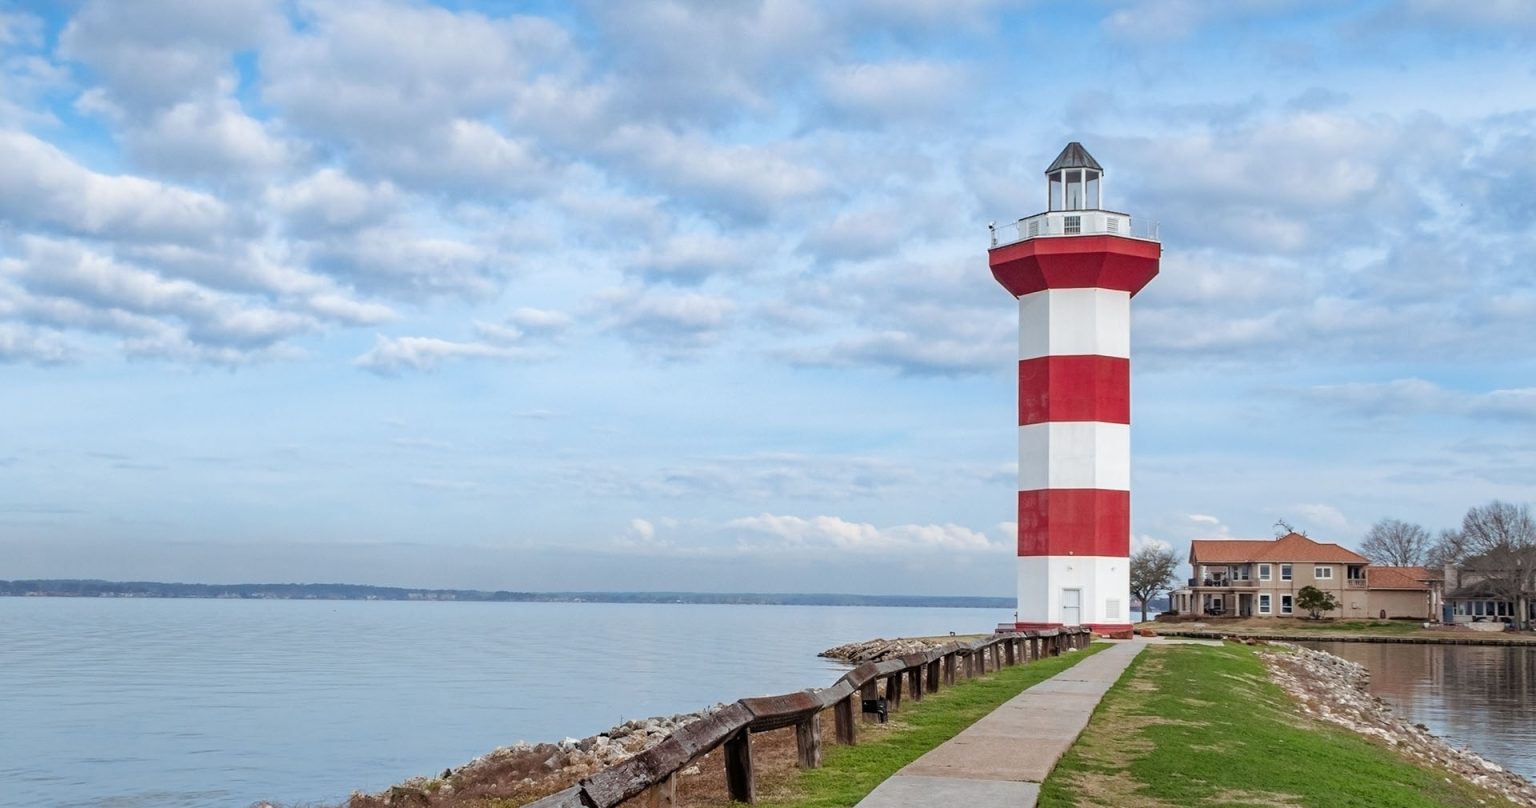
[(649, 779)]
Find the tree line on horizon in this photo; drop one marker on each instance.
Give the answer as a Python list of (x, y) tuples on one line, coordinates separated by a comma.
[(70, 587)]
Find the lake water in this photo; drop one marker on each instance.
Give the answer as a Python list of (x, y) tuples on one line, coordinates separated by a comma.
[(1481, 697), (108, 703)]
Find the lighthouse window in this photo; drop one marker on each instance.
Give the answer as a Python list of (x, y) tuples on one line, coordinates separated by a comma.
[(1093, 191), (1072, 225), (1074, 190), (1055, 190)]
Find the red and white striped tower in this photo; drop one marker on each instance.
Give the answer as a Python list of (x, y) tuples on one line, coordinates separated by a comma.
[(1074, 269)]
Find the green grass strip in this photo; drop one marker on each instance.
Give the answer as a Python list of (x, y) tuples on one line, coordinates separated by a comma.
[(1194, 725), (849, 773)]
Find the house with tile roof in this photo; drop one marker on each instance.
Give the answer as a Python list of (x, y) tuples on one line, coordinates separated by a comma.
[(1261, 578)]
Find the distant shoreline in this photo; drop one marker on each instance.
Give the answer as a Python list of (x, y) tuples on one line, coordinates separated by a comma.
[(78, 588)]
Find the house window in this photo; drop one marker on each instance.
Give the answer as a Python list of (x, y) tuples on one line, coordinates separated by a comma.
[(1285, 603), (1322, 573), (1263, 604), (1239, 573), (1285, 572), (1263, 572)]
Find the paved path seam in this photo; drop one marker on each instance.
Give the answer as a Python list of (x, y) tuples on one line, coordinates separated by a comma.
[(1003, 757)]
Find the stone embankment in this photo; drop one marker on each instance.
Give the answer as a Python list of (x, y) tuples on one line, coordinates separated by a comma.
[(878, 650), (1334, 690), (526, 770)]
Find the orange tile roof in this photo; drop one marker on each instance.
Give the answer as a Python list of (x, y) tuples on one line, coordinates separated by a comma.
[(1291, 547), (1397, 577)]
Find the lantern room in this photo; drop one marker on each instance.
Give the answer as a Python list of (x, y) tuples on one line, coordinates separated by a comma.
[(1075, 180)]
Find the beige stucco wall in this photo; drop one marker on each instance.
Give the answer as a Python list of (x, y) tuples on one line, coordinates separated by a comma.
[(1400, 603)]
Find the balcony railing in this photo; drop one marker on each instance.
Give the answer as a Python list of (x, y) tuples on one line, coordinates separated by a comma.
[(1355, 583), (1058, 223), (1224, 583)]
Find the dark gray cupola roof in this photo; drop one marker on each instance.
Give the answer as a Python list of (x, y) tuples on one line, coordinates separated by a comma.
[(1074, 156)]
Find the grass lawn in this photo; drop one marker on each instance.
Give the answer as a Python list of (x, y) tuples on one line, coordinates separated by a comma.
[(1195, 725), (849, 773)]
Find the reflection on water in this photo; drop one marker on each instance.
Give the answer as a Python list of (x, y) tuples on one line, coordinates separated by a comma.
[(1481, 697)]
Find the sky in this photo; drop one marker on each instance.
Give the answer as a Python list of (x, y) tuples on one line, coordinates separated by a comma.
[(693, 294)]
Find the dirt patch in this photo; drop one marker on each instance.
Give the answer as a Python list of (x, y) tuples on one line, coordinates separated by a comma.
[(1259, 799), (1113, 791)]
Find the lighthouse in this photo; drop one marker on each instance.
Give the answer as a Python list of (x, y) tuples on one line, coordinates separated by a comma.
[(1074, 269)]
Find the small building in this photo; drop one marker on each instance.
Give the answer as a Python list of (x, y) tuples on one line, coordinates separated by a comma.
[(1261, 578), (1477, 597)]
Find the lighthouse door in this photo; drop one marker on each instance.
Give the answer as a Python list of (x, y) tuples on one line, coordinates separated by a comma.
[(1071, 607)]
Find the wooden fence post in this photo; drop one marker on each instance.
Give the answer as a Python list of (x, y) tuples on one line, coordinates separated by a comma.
[(915, 677), (934, 673), (893, 691), (662, 795), (870, 692), (949, 669), (808, 741), (738, 767), (845, 719), (1013, 658)]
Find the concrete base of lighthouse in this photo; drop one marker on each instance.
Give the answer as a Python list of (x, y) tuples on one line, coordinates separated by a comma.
[(1093, 591)]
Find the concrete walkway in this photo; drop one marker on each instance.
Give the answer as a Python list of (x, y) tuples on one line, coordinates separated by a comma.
[(1001, 759)]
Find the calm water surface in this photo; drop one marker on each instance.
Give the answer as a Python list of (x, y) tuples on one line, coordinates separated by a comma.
[(1481, 697), (175, 703)]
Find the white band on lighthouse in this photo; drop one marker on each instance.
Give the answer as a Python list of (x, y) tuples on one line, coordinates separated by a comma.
[(1063, 322), (1075, 454)]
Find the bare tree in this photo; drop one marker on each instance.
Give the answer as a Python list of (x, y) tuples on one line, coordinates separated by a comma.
[(1284, 528), (1396, 543), (1153, 568), (1497, 544), (1447, 549)]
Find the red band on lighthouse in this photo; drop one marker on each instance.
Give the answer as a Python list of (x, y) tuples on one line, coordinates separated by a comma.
[(1074, 522), (1075, 388)]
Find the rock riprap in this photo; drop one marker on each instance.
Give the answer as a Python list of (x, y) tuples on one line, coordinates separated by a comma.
[(527, 769), (878, 650), (1334, 690)]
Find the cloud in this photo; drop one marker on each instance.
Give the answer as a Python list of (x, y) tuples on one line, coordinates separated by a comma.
[(883, 92), (391, 260), (1499, 14), (379, 73), (738, 55), (68, 285), (154, 53), (818, 533), (212, 138), (690, 258), (35, 346), (1418, 397), (392, 355), (740, 181), (544, 322), (329, 201), (42, 187), (1323, 516), (758, 476), (669, 326)]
